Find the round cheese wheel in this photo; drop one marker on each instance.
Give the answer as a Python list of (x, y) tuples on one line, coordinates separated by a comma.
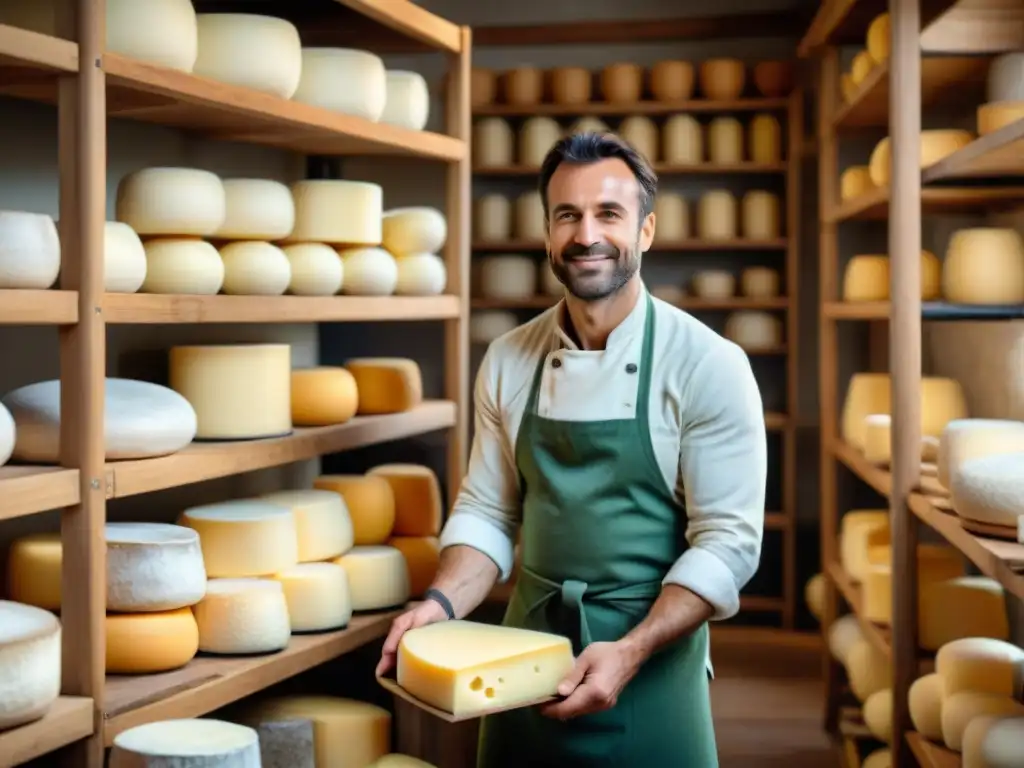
[(420, 274), (492, 219), (198, 743), (483, 87), (259, 52), (408, 100), (162, 32), (861, 67), (530, 224), (754, 330), (814, 595), (959, 709), (571, 85), (722, 79), (153, 567), (773, 78), (243, 616), (588, 124), (980, 664), (147, 643), (124, 259), (344, 80), (847, 86), (993, 741), (406, 231), (716, 215), (867, 393), (935, 145), (182, 265), (759, 283), (867, 669), (323, 526), (765, 139), (29, 250), (337, 212), (714, 284), (422, 556), (7, 436), (856, 531), (507, 276), (317, 596), (256, 209), (255, 269), (315, 269), (880, 758), (761, 215), (486, 326), (1005, 80), (642, 133), (925, 703), (854, 182), (878, 38), (171, 201), (244, 537), (989, 489), (322, 396), (493, 143), (682, 141), (523, 86), (536, 138), (622, 83), (963, 440), (368, 272), (370, 501), (877, 713), (30, 663), (725, 141), (377, 577), (998, 114), (942, 401), (965, 606), (141, 420), (672, 80), (984, 265), (34, 570), (672, 217), (866, 278), (843, 634)]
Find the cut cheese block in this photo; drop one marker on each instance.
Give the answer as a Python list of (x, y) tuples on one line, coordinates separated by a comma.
[(317, 596), (386, 384), (716, 215), (877, 713), (925, 703), (968, 606), (868, 393), (981, 664), (672, 80), (255, 269), (492, 219), (861, 67), (570, 85), (714, 284), (868, 670), (182, 265), (523, 86), (256, 209), (124, 259), (286, 743), (370, 501), (141, 420), (642, 133), (377, 577), (856, 527), (622, 83), (993, 741), (879, 34), (153, 567), (7, 436), (322, 396), (854, 182), (408, 100), (507, 276), (673, 217), (465, 668), (814, 595), (529, 217), (682, 140), (337, 212), (984, 265), (30, 663), (147, 643), (316, 269), (1005, 81), (368, 272), (760, 215), (998, 114), (34, 570), (417, 493), (485, 327), (245, 537), (843, 635), (536, 136), (754, 331), (725, 141), (935, 146), (196, 743), (401, 761), (343, 80), (239, 391), (961, 708), (323, 527), (990, 490), (171, 201), (493, 143), (259, 52), (240, 616), (722, 79), (162, 32), (422, 558), (408, 231), (765, 139), (29, 250), (420, 274)]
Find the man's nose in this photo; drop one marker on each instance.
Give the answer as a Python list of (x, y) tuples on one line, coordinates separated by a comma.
[(586, 231)]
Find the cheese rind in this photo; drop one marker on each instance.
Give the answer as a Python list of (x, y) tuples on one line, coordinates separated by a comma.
[(984, 265), (317, 596), (344, 80), (877, 713), (244, 537), (981, 664), (182, 265), (161, 32), (253, 268), (961, 708), (315, 268), (370, 502), (124, 259), (322, 522), (417, 493), (30, 663), (147, 643), (259, 52), (967, 606), (925, 703), (420, 274), (29, 250), (422, 558), (34, 570), (407, 231), (963, 440), (993, 741), (408, 100), (337, 212), (386, 384), (377, 577), (990, 489), (286, 743), (323, 395), (195, 743), (256, 209), (171, 201), (153, 567), (856, 527), (868, 670), (239, 616), (368, 272)]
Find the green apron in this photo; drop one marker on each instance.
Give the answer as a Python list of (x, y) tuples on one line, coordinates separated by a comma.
[(601, 528)]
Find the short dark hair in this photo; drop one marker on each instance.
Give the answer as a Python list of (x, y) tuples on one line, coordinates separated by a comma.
[(593, 147)]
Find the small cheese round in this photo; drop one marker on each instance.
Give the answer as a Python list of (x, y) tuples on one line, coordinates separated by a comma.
[(714, 284), (570, 85), (673, 217), (965, 439), (754, 330), (337, 212), (722, 79), (386, 384), (492, 218), (368, 272), (879, 33), (814, 595), (171, 201), (536, 136), (493, 143), (998, 114), (253, 268), (124, 259), (682, 141), (961, 708), (759, 283), (244, 537), (507, 276), (196, 743), (984, 265), (483, 87), (422, 558), (529, 217), (34, 570), (153, 567), (765, 139), (642, 133), (725, 141), (854, 182), (980, 664), (672, 80), (370, 501), (317, 596), (488, 325), (1005, 81), (866, 278), (993, 741), (773, 78), (322, 396), (30, 663), (377, 577), (7, 436), (182, 265), (161, 32), (716, 215), (258, 52), (406, 231), (843, 634), (877, 714), (925, 703), (256, 209), (760, 217), (344, 80), (622, 83), (323, 526), (29, 250), (418, 506), (242, 616), (408, 100), (523, 86), (935, 146), (420, 274), (990, 489), (147, 643), (861, 67), (316, 269), (868, 669)]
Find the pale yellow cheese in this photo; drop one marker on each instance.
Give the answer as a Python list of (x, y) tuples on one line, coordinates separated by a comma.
[(942, 401), (936, 145), (868, 670), (877, 715), (760, 217), (507, 276), (256, 209), (716, 215), (161, 32), (171, 201), (377, 577), (814, 595), (408, 100), (370, 501), (880, 758), (124, 259), (682, 140), (714, 284), (984, 265), (861, 67), (463, 667), (346, 80), (994, 741), (186, 743), (251, 51), (386, 384), (981, 664), (754, 330), (878, 438), (317, 596), (570, 85), (673, 216), (843, 634), (30, 250), (867, 393), (866, 278), (642, 133), (879, 33), (925, 703), (147, 643), (529, 217), (935, 564), (407, 231), (990, 490), (420, 274), (725, 141), (492, 218), (244, 537), (759, 282), (368, 272), (323, 526), (30, 663), (254, 268), (998, 114), (854, 529), (242, 616), (493, 143), (182, 265), (965, 439), (34, 570), (417, 492), (961, 708), (968, 606), (765, 139), (322, 396), (536, 136), (722, 79), (422, 558), (854, 182), (337, 212)]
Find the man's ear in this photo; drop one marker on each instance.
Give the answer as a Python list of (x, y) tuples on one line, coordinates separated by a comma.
[(647, 233)]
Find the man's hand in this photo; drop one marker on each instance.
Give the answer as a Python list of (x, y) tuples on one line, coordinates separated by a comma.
[(594, 684), (427, 612)]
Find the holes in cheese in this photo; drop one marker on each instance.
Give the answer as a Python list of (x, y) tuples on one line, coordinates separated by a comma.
[(925, 703), (197, 743), (879, 32), (141, 420), (984, 265), (570, 85), (714, 284), (754, 330), (7, 436), (682, 140), (622, 83), (315, 269), (968, 606), (981, 664), (1005, 81), (386, 384), (843, 634), (642, 133), (672, 80), (255, 269), (673, 217), (407, 231), (323, 527), (153, 567), (523, 86), (854, 182), (408, 100), (486, 326), (722, 79), (867, 393), (420, 274), (422, 557), (961, 708), (417, 494), (171, 201), (877, 714), (716, 215), (773, 78), (30, 663), (124, 259), (245, 537), (725, 141), (935, 146), (991, 741), (493, 143), (492, 219), (29, 250), (286, 743), (343, 80), (530, 217), (337, 212), (377, 577), (238, 391), (464, 667), (370, 502), (760, 215), (989, 490), (322, 396), (317, 596), (759, 283), (368, 272), (182, 265), (256, 209), (765, 139), (259, 52), (147, 643), (868, 670), (814, 595), (239, 616), (159, 32), (854, 531), (536, 136)]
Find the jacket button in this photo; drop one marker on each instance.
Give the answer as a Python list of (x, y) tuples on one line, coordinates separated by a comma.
[(556, 363), (630, 367)]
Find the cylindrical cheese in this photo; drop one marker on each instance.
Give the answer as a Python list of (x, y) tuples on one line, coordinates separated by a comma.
[(422, 557), (725, 141), (877, 713), (420, 274), (765, 139), (337, 212), (622, 83), (198, 743), (571, 85), (317, 596), (153, 567), (722, 79), (256, 209), (981, 664), (377, 577), (171, 201), (34, 571), (418, 506), (961, 708), (29, 250), (536, 137), (998, 114), (1005, 80), (244, 537), (760, 216), (368, 272), (124, 258), (243, 616), (967, 606), (856, 531), (861, 67), (714, 284), (483, 87), (161, 32), (673, 218), (868, 670), (507, 276), (370, 501), (492, 219), (993, 741), (672, 80), (30, 663), (315, 269), (754, 331), (759, 283), (408, 100), (386, 384), (925, 703), (259, 52), (323, 526), (989, 490), (984, 265), (406, 231), (682, 141), (773, 78), (322, 396), (935, 146), (486, 326), (854, 182), (255, 269), (529, 222), (642, 133), (182, 265), (148, 643), (843, 634), (879, 32), (867, 393), (344, 80), (523, 86), (493, 143), (963, 440), (942, 401), (716, 215)]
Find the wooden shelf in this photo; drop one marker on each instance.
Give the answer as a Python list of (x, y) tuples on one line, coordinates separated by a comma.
[(846, 22), (930, 310), (875, 204), (209, 683), (163, 309), (70, 719), (410, 20), (778, 244), (605, 109), (931, 755), (776, 422), (997, 155), (878, 636), (690, 305), (29, 307), (22, 50), (664, 169), (876, 477), (29, 490)]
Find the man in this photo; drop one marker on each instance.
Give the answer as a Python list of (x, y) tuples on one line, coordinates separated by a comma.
[(627, 440)]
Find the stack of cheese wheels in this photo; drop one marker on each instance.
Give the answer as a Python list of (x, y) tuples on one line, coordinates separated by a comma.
[(408, 100), (754, 331), (673, 217), (256, 212), (258, 52), (203, 743), (487, 325), (344, 80), (854, 182), (323, 395), (414, 236), (935, 146), (29, 250), (877, 39), (1004, 94), (30, 663), (507, 276), (386, 385), (866, 278), (984, 265), (492, 219)]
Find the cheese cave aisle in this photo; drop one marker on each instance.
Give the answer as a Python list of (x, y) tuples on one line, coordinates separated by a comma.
[(447, 384)]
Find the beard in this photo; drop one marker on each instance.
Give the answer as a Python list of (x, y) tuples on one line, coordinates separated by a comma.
[(595, 280)]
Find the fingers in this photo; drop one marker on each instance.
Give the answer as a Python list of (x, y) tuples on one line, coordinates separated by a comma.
[(574, 677), (390, 651), (586, 699)]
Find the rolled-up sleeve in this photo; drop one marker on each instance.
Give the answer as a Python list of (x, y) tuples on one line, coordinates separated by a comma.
[(486, 513), (723, 468)]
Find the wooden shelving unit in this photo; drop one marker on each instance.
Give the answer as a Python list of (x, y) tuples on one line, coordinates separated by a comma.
[(88, 85)]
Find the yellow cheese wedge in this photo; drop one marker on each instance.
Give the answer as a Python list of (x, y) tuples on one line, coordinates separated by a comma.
[(422, 557), (417, 494), (370, 502), (146, 643), (925, 702), (322, 396), (981, 664), (386, 384)]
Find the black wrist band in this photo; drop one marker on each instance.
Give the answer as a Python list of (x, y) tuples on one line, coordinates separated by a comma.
[(438, 597)]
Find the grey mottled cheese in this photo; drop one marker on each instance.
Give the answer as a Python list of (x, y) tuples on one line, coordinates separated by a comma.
[(287, 743)]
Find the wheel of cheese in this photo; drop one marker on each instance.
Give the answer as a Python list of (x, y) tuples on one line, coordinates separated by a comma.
[(867, 393), (877, 713), (942, 401), (843, 634), (343, 80), (670, 294), (861, 67), (370, 501), (722, 79), (961, 708), (682, 141), (642, 133), (386, 384), (507, 276), (622, 83), (420, 274), (814, 595), (847, 87), (754, 330), (34, 570), (337, 212), (935, 145), (124, 258), (182, 265), (148, 643), (725, 141), (141, 420), (29, 250), (523, 86), (417, 492), (773, 78), (256, 209), (323, 526), (998, 114), (964, 440), (672, 80), (571, 85), (161, 32), (408, 100), (244, 537), (286, 742), (493, 143), (716, 215), (7, 436), (529, 217), (760, 217), (984, 265), (323, 396), (981, 664), (866, 278), (588, 124), (255, 269), (368, 272), (759, 283), (880, 758), (414, 230), (243, 616), (993, 741), (483, 87), (536, 137), (30, 663), (153, 567), (935, 564), (550, 285), (868, 670), (492, 219), (197, 743), (171, 201), (259, 52), (238, 391), (315, 269), (1005, 80), (854, 182), (488, 325), (878, 38), (765, 139), (857, 532), (672, 217), (317, 596), (989, 489), (422, 556), (967, 606), (714, 284), (925, 703), (377, 577)]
